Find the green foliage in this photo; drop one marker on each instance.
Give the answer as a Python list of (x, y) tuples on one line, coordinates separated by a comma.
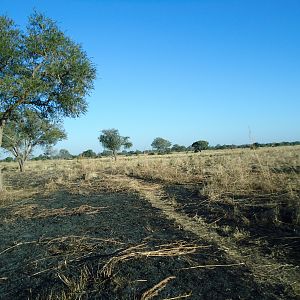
[(42, 69), (106, 153), (64, 154), (256, 145), (161, 145), (8, 159), (178, 148), (27, 131), (136, 152), (49, 153), (200, 145), (111, 140), (31, 129), (89, 154)]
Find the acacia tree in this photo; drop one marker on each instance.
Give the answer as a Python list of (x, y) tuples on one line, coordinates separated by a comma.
[(111, 140), (64, 154), (28, 131), (43, 70), (161, 145), (89, 153), (200, 145)]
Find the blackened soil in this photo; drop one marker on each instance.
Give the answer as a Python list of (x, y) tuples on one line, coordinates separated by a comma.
[(64, 238), (269, 227)]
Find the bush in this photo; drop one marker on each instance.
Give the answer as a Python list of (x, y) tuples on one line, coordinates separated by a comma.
[(8, 159)]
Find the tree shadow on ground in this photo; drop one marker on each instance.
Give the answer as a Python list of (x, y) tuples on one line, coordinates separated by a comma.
[(62, 241)]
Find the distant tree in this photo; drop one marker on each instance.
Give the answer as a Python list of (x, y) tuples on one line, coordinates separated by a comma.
[(49, 153), (178, 148), (124, 152), (111, 140), (40, 157), (137, 152), (200, 145), (28, 131), (189, 148), (8, 159), (254, 146), (41, 69), (106, 153), (89, 153), (64, 154), (161, 145)]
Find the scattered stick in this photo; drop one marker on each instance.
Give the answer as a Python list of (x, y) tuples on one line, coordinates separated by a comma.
[(179, 297), (79, 237), (17, 245), (43, 271), (3, 278), (212, 266), (140, 251), (154, 291), (82, 209), (60, 239)]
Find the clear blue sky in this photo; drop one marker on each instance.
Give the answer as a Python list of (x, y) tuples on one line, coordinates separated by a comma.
[(183, 70)]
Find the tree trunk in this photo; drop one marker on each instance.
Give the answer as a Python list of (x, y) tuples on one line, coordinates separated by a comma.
[(115, 155), (1, 180), (2, 123), (21, 164)]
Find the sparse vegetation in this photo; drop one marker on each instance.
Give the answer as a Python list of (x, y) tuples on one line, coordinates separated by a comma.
[(166, 223), (230, 215), (113, 141)]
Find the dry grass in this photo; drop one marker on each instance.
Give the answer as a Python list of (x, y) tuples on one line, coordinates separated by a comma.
[(271, 174), (32, 211), (141, 251), (264, 178), (78, 286), (154, 291)]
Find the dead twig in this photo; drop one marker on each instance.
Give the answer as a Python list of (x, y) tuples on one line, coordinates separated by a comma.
[(212, 266), (17, 245), (179, 297), (140, 251), (156, 289)]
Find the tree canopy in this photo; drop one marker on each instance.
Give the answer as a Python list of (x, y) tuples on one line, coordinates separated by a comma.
[(89, 153), (64, 154), (178, 148), (27, 131), (161, 144), (112, 140), (41, 69), (198, 146)]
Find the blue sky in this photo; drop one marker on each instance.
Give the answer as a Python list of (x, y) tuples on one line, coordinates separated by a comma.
[(183, 70)]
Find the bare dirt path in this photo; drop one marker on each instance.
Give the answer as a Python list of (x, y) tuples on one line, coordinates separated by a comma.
[(264, 269)]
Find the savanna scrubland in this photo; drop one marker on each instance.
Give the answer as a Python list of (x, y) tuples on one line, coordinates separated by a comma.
[(217, 224)]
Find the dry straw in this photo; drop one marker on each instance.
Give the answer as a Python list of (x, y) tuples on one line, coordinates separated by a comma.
[(141, 251)]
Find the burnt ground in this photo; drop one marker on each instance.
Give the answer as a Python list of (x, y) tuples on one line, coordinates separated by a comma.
[(103, 244), (266, 222)]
